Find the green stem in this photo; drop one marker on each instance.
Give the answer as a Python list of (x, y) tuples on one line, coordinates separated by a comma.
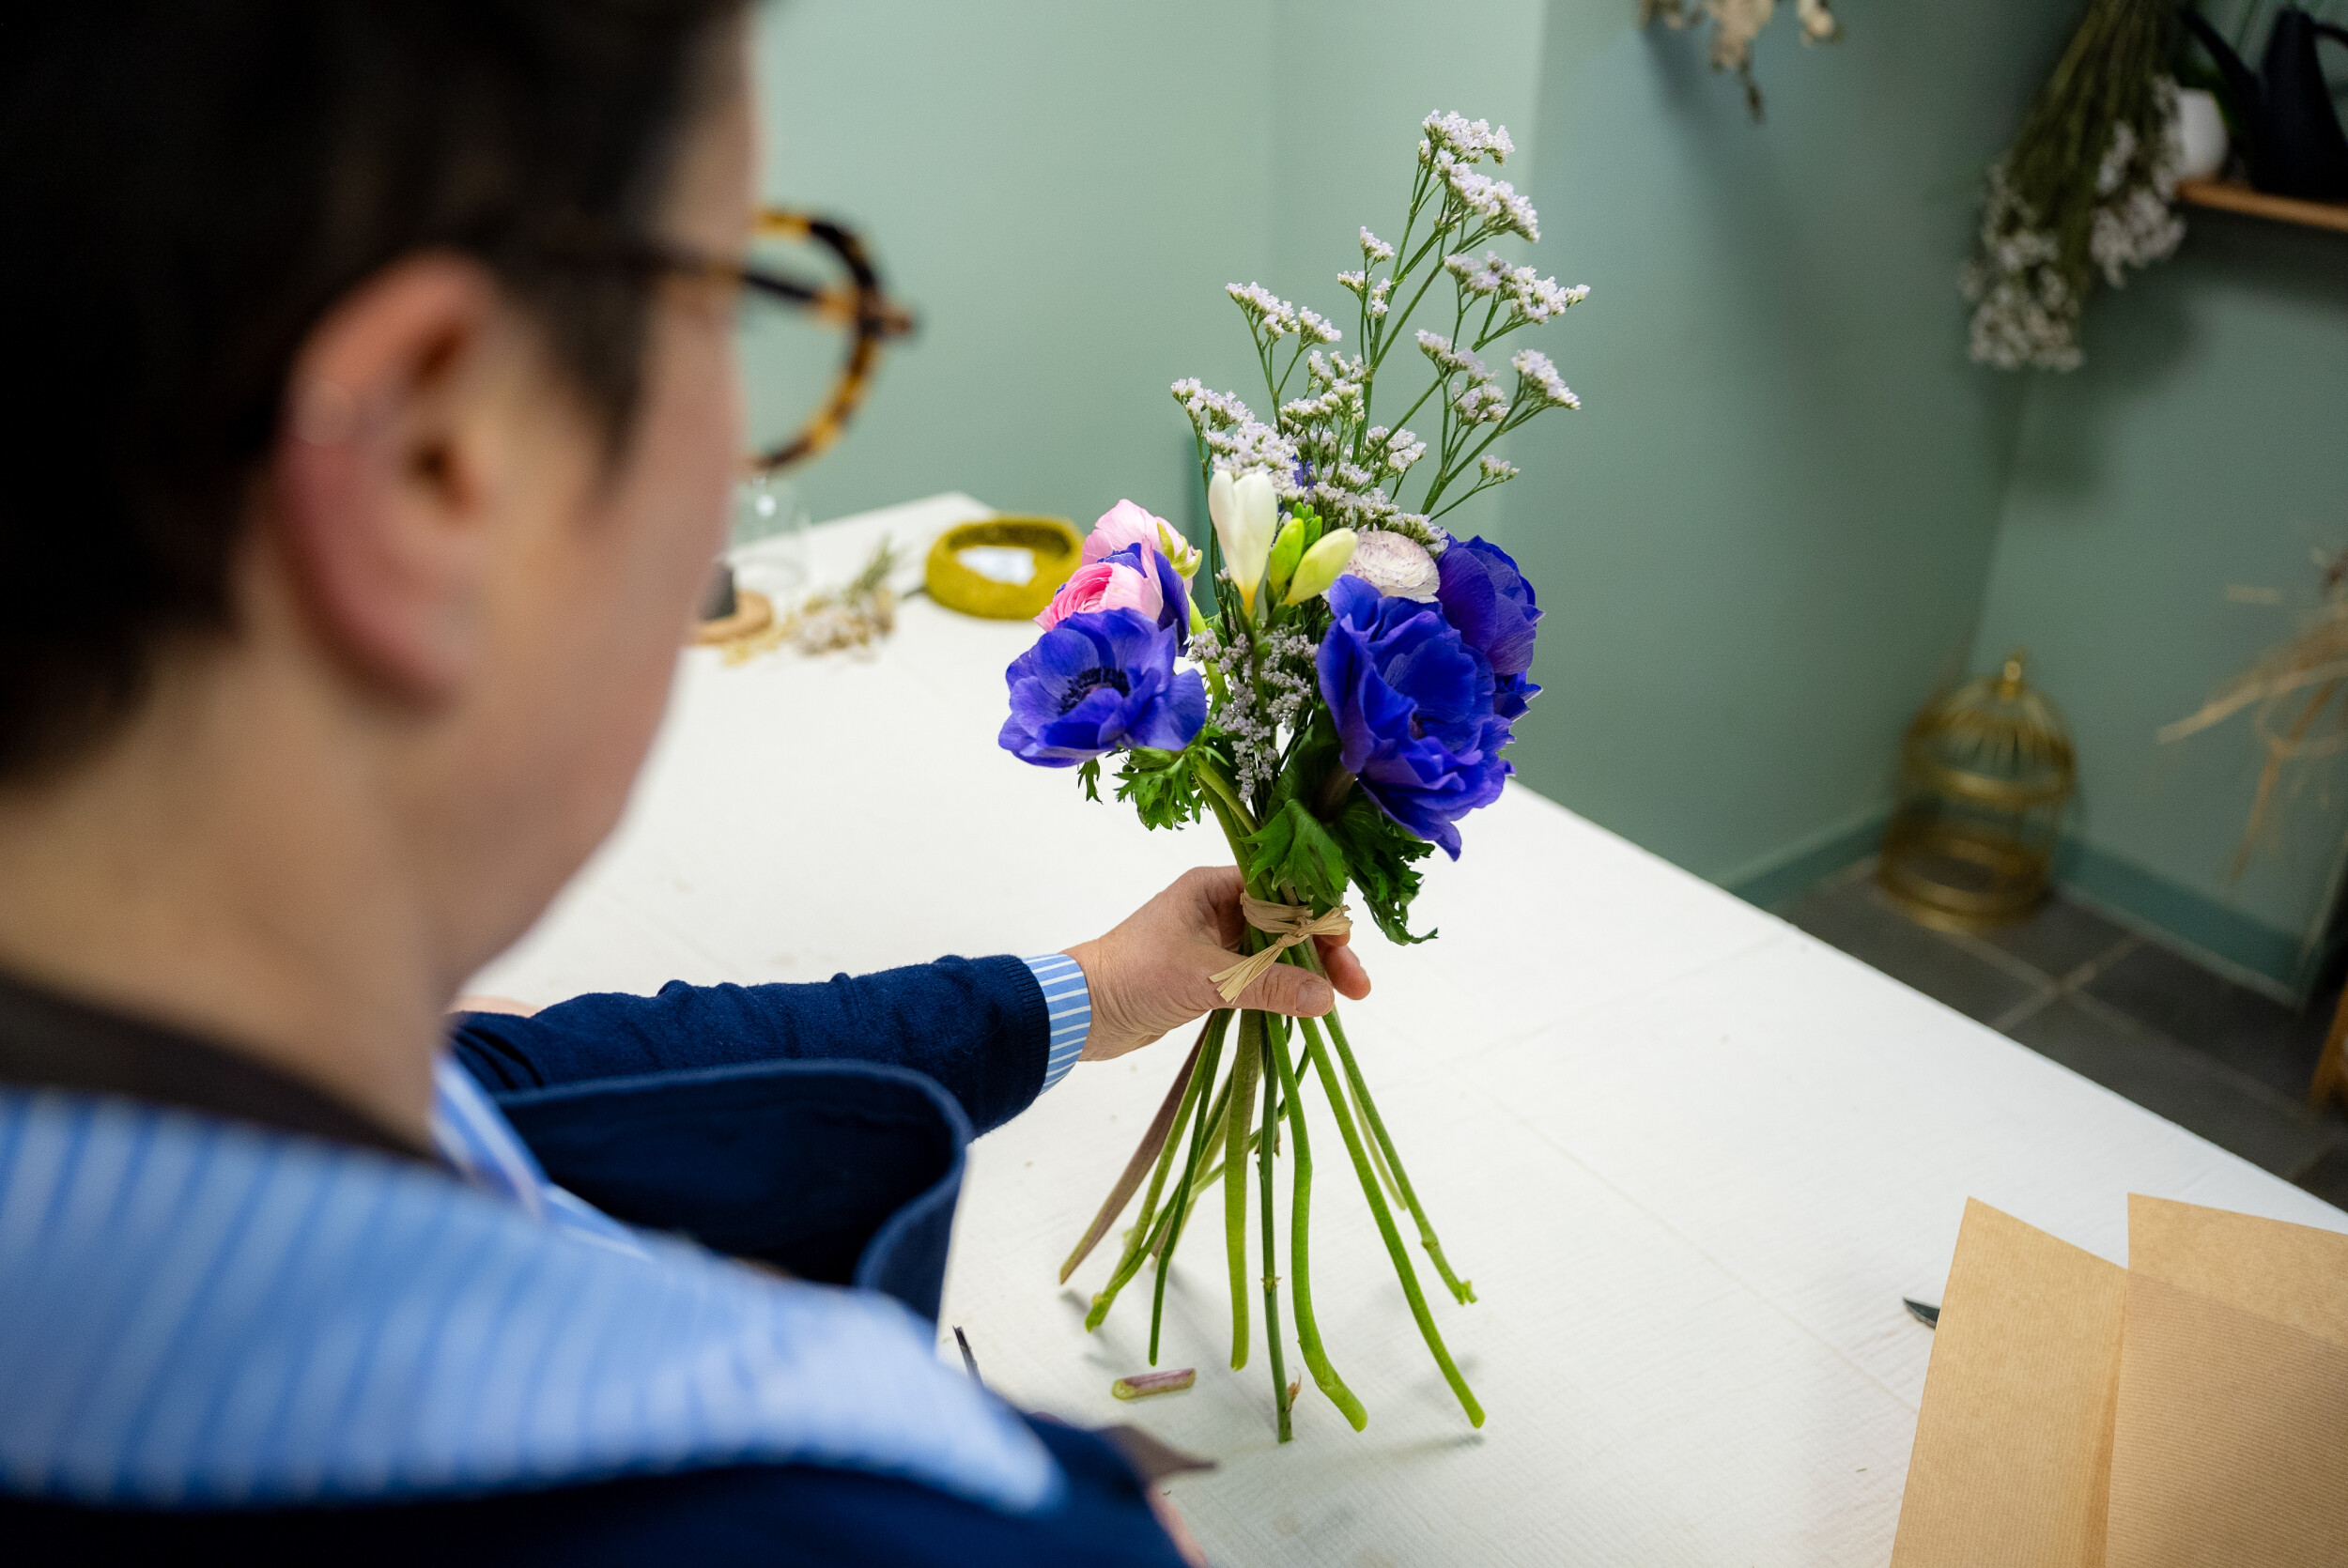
[(1214, 1172), (1155, 1149), (1177, 1212), (1462, 1291), (1265, 1152), (1145, 1236), (1300, 1288), (1393, 1238), (1249, 1053)]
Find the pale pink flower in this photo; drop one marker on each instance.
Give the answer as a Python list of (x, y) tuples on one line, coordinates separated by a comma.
[(1104, 585), (1127, 524), (1120, 526)]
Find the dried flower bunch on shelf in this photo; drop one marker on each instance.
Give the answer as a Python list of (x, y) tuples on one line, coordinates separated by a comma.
[(2087, 191), (1354, 676)]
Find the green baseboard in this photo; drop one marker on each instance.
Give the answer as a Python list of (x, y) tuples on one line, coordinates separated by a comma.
[(2162, 909), (1779, 876), (2145, 897)]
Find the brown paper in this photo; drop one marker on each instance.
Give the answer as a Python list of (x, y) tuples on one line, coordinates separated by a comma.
[(2012, 1454), (2230, 1431)]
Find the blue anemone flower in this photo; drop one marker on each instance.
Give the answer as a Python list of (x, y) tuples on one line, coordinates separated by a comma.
[(1098, 681), (1487, 598), (1412, 704)]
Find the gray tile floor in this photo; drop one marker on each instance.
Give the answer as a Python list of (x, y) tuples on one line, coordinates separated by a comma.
[(2140, 1018)]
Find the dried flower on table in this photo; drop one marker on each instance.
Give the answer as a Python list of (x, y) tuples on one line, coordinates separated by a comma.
[(852, 616)]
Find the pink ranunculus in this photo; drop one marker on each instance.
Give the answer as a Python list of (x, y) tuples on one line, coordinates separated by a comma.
[(1121, 525), (1104, 585)]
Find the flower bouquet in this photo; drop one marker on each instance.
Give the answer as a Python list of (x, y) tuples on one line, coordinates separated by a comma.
[(1357, 674)]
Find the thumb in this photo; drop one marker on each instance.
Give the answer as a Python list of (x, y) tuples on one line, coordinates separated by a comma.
[(1286, 988)]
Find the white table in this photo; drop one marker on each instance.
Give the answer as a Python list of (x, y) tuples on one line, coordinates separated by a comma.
[(1690, 1157)]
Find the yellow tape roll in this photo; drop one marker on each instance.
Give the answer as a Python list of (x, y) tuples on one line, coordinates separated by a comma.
[(1054, 541)]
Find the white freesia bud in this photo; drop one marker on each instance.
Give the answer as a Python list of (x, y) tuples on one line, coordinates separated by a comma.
[(1244, 512), (1323, 565), (1397, 566)]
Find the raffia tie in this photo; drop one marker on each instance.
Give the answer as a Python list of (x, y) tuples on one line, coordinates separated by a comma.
[(1290, 924)]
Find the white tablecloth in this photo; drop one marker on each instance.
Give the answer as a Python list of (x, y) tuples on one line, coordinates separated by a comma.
[(1690, 1157)]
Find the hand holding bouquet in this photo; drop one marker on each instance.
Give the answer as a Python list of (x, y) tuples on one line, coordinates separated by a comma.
[(1357, 672)]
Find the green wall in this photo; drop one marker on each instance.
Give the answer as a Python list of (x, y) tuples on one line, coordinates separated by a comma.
[(1771, 531), (2204, 446)]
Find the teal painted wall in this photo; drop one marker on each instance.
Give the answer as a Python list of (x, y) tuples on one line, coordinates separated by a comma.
[(1764, 536), (2203, 446), (1060, 189)]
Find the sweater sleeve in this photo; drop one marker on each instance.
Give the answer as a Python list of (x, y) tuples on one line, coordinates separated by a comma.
[(981, 1027)]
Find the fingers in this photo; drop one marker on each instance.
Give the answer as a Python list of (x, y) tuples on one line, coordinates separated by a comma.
[(1286, 988), (1344, 969), (1217, 890)]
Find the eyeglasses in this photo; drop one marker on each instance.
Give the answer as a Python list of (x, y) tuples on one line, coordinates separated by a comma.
[(812, 320)]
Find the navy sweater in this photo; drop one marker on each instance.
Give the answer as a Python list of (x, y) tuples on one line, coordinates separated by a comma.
[(743, 1114)]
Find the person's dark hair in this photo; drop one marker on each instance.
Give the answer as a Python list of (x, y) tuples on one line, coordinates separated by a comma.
[(189, 184)]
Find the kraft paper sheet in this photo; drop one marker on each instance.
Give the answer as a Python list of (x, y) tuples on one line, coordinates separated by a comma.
[(2231, 1442), (2190, 1409), (2013, 1455)]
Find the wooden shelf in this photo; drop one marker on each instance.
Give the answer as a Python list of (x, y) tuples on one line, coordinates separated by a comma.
[(2230, 197)]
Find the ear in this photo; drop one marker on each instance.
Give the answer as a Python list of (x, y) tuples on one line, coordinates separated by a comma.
[(387, 467)]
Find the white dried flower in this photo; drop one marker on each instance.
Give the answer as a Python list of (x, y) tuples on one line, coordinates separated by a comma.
[(1264, 309), (1540, 378), (1315, 327), (2025, 307), (1207, 408), (1375, 250), (1471, 141), (1449, 359), (1483, 403), (1497, 471)]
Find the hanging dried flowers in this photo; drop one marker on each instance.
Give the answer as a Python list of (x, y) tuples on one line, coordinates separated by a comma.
[(2086, 189), (1735, 24)]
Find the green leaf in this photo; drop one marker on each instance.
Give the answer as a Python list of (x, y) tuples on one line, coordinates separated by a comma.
[(1293, 848), (1161, 785), (1089, 776), (1380, 851)]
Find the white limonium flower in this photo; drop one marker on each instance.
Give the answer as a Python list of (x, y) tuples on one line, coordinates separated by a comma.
[(1315, 327), (1208, 408), (1448, 360), (1246, 514), (1495, 201), (1266, 311), (1479, 278), (1394, 565), (1483, 403), (1375, 250), (1470, 141), (1540, 378), (1498, 470)]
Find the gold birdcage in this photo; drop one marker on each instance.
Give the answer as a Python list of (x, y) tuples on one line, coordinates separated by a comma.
[(1984, 774)]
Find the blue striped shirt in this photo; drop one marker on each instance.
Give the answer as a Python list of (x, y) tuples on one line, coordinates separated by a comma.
[(1068, 1003)]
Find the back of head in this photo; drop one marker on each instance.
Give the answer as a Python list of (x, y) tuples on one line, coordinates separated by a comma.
[(190, 185)]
